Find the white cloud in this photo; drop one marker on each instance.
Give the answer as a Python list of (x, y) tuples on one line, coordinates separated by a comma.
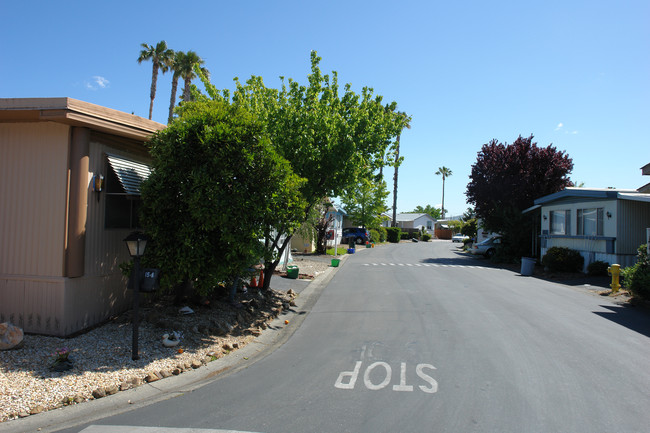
[(97, 82), (561, 125), (101, 81)]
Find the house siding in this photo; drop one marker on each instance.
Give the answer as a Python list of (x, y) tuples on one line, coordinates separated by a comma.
[(33, 194), (634, 218)]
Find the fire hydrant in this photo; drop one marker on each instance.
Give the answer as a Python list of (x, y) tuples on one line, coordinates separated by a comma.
[(615, 272)]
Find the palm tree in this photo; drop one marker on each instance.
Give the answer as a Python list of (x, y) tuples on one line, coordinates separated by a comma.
[(407, 124), (445, 172), (160, 55), (189, 60), (175, 65)]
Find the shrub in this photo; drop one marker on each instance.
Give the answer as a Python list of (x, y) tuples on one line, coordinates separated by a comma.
[(636, 278), (426, 237), (563, 259), (405, 235), (381, 232), (393, 234), (374, 235), (597, 268)]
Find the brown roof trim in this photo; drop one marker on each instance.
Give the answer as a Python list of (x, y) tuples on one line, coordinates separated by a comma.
[(77, 113)]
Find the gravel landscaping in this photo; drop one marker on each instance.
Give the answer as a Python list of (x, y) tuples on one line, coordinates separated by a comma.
[(101, 358)]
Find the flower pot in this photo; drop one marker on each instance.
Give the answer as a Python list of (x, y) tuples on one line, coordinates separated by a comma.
[(292, 271)]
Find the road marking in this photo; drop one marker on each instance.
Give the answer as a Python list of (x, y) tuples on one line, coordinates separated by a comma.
[(348, 379), (141, 429), (433, 265)]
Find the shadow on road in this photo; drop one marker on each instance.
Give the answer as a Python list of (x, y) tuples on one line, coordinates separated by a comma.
[(461, 260), (634, 318)]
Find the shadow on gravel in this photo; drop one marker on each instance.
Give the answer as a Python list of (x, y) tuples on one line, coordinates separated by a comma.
[(634, 318)]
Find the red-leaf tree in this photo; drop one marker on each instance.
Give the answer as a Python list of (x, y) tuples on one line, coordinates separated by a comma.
[(506, 179)]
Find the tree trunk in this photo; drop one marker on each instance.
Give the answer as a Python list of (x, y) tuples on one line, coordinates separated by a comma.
[(394, 223), (186, 89), (152, 95), (172, 100), (443, 196)]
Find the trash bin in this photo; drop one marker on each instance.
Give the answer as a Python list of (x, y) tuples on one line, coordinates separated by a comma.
[(335, 263), (527, 266), (351, 250), (292, 271)]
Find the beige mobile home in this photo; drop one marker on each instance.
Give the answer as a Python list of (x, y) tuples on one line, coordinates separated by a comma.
[(69, 191)]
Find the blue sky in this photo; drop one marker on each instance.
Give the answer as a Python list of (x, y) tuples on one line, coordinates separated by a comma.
[(576, 74)]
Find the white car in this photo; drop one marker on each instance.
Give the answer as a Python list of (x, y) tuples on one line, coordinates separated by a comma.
[(459, 238), (487, 247)]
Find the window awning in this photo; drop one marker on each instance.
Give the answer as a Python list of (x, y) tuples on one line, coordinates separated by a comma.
[(130, 173)]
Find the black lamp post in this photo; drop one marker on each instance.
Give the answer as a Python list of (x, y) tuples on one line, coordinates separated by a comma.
[(136, 242)]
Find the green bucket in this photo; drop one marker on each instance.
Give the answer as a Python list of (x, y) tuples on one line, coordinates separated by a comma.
[(335, 263), (292, 271)]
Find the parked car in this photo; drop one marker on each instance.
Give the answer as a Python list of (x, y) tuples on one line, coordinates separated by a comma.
[(360, 236), (487, 247), (459, 238)]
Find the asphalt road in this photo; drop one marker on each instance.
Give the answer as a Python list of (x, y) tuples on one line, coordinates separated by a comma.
[(416, 337)]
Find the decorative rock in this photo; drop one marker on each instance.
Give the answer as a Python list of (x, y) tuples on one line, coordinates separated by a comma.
[(99, 392), (11, 336), (227, 346), (256, 332), (124, 386), (36, 409), (165, 373), (135, 381), (23, 414), (290, 292), (113, 389), (176, 371), (151, 377), (292, 303), (196, 364), (212, 353), (79, 398), (207, 359), (235, 345), (263, 325)]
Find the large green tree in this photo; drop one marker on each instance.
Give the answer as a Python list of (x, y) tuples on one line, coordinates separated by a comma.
[(433, 211), (365, 202), (330, 139), (507, 178), (160, 56), (217, 187)]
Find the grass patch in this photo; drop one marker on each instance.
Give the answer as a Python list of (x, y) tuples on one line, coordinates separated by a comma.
[(339, 251)]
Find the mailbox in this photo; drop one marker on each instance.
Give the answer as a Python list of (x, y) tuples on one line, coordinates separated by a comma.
[(149, 280)]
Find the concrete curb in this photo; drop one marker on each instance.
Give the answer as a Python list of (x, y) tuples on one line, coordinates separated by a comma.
[(273, 337)]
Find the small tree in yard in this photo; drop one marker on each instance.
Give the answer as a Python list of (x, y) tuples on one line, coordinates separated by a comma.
[(217, 187), (365, 202), (506, 179)]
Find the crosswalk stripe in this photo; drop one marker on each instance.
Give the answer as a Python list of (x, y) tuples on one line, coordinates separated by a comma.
[(143, 429), (434, 265)]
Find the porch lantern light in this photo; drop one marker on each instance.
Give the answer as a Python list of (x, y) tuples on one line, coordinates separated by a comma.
[(136, 242), (609, 214)]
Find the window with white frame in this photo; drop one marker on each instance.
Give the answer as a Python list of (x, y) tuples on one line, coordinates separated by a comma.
[(590, 222), (429, 225), (560, 222)]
